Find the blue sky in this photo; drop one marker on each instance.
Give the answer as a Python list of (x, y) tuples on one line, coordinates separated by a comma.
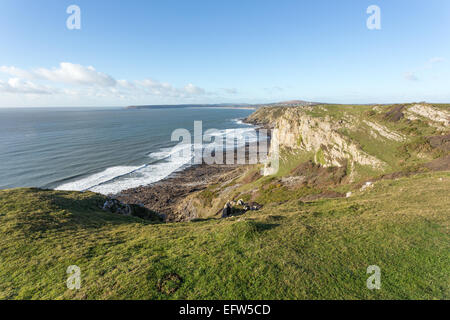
[(163, 52)]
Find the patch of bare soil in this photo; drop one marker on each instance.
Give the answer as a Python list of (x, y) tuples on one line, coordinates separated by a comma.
[(440, 164), (314, 174), (441, 142), (164, 196), (395, 113), (251, 177)]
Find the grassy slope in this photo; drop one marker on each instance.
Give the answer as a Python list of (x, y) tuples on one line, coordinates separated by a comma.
[(398, 156), (290, 249), (294, 250)]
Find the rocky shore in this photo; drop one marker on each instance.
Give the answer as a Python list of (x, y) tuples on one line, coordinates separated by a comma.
[(166, 196)]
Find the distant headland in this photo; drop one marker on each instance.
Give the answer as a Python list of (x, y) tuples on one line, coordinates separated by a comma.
[(293, 103)]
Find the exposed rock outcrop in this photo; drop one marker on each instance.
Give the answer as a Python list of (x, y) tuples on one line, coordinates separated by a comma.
[(239, 207), (441, 142), (394, 114), (117, 207), (314, 174), (298, 130), (380, 130), (175, 196), (317, 149), (438, 117)]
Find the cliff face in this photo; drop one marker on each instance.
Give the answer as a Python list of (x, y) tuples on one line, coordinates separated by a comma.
[(368, 136), (325, 151), (298, 130)]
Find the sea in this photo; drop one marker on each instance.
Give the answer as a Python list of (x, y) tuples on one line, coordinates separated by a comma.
[(105, 150)]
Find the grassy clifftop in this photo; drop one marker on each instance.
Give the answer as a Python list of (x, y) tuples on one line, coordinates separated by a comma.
[(370, 140), (295, 250), (309, 241), (327, 151)]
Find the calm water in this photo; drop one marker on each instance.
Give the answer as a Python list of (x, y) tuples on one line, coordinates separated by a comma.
[(105, 149)]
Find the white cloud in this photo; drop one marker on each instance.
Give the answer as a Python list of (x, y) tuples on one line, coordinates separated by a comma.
[(16, 72), (18, 86), (423, 70), (436, 60), (88, 81), (411, 76), (157, 88), (191, 89), (125, 84), (75, 74), (66, 73)]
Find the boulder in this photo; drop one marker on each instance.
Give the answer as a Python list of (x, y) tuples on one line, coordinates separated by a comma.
[(136, 210), (226, 212), (115, 206), (254, 206)]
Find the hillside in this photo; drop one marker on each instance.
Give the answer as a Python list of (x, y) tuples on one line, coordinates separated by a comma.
[(327, 151), (320, 227), (296, 250), (291, 103)]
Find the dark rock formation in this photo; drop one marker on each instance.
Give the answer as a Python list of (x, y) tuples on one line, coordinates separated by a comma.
[(395, 113), (239, 208), (135, 210), (226, 212)]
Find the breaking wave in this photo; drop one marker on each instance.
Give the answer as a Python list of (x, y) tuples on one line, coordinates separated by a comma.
[(161, 164)]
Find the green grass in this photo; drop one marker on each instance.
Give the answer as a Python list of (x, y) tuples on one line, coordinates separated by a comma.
[(290, 249), (290, 159), (208, 195), (297, 250), (320, 157), (275, 193)]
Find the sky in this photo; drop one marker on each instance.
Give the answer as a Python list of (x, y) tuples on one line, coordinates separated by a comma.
[(209, 51)]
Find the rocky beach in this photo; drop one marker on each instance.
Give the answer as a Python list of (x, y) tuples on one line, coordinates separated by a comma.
[(168, 197)]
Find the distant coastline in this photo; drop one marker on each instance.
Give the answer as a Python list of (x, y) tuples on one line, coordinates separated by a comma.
[(244, 106), (180, 106), (105, 150)]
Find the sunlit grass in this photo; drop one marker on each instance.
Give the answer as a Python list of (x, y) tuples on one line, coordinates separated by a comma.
[(297, 250)]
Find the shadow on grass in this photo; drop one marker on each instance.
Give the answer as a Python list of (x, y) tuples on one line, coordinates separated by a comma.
[(196, 220), (38, 211), (261, 226)]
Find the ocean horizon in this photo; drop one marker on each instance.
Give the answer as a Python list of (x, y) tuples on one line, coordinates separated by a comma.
[(105, 150)]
